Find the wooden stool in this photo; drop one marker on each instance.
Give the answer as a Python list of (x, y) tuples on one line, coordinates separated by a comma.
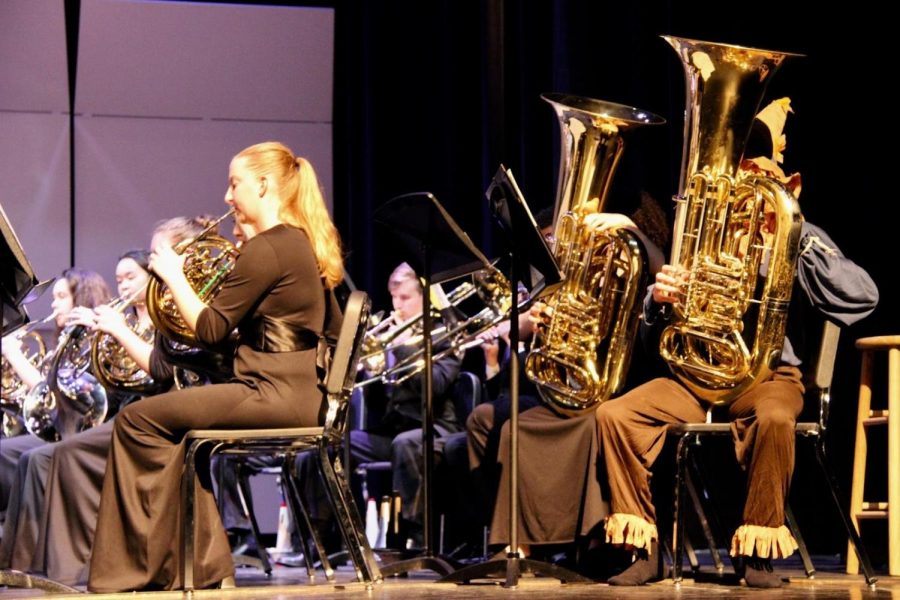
[(866, 417)]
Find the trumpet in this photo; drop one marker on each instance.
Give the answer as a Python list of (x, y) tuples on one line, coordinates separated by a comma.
[(210, 257), (456, 335)]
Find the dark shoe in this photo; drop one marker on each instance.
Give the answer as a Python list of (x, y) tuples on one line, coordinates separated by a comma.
[(646, 568), (759, 574)]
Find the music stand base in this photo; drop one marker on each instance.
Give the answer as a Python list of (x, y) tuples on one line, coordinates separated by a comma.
[(511, 569), (418, 563), (18, 579)]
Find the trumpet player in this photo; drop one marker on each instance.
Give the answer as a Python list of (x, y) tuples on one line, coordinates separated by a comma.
[(397, 435), (631, 429)]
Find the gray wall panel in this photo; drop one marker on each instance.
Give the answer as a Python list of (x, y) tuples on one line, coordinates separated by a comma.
[(132, 173)]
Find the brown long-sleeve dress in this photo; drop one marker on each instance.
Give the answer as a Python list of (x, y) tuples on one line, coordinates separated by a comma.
[(274, 296)]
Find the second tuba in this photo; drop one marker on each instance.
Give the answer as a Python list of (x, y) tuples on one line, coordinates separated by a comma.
[(210, 257), (580, 358), (718, 237)]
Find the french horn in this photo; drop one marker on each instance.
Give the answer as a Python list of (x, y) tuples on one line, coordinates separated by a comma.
[(209, 259), (70, 399), (12, 388)]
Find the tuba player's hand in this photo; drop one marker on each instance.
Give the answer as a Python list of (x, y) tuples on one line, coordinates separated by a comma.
[(670, 283)]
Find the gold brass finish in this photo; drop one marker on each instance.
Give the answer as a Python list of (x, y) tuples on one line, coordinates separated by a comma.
[(580, 357), (720, 236)]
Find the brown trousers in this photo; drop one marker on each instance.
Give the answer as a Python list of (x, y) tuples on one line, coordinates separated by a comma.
[(632, 431), (138, 539)]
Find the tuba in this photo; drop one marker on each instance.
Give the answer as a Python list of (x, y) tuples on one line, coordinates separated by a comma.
[(210, 257), (580, 357), (718, 236), (14, 390)]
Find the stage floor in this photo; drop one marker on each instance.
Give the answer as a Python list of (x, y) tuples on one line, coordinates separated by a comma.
[(287, 583)]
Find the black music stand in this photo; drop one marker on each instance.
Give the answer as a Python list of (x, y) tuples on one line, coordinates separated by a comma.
[(532, 263), (16, 277), (435, 242)]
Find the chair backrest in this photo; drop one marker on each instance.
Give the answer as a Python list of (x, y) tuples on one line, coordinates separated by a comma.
[(346, 352), (820, 370), (466, 394), (822, 366)]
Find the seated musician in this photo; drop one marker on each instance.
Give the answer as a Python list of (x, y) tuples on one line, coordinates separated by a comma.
[(397, 435), (632, 428)]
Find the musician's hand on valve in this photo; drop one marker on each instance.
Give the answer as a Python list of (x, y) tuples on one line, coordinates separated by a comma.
[(82, 315), (110, 320), (670, 284), (540, 314), (167, 264)]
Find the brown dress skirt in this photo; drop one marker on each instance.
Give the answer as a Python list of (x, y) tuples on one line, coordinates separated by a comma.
[(71, 504), (138, 542), (559, 493)]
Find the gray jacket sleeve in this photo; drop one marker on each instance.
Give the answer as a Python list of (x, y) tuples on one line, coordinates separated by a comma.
[(834, 284)]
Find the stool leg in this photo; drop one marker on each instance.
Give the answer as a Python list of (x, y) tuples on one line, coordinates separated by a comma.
[(859, 455), (894, 461)]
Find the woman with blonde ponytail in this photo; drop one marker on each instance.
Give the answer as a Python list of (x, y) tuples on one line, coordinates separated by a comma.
[(279, 298)]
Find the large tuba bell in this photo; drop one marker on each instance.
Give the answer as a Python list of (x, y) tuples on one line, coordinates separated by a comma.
[(210, 257), (718, 235), (14, 390), (581, 356)]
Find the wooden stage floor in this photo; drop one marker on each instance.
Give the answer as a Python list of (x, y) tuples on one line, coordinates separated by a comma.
[(287, 583)]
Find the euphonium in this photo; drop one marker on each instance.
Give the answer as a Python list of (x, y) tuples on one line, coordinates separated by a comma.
[(14, 390), (581, 356), (718, 236), (210, 257)]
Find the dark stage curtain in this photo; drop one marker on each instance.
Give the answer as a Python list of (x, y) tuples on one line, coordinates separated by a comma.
[(434, 95)]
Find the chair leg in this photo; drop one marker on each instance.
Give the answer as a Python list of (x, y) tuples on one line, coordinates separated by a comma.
[(348, 517), (246, 497), (704, 522), (299, 510), (795, 530), (187, 505), (681, 455), (852, 532)]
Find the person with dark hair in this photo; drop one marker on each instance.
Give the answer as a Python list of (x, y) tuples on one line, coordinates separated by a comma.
[(558, 490), (279, 297)]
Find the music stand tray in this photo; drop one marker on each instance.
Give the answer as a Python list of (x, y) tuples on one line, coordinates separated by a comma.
[(532, 263)]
